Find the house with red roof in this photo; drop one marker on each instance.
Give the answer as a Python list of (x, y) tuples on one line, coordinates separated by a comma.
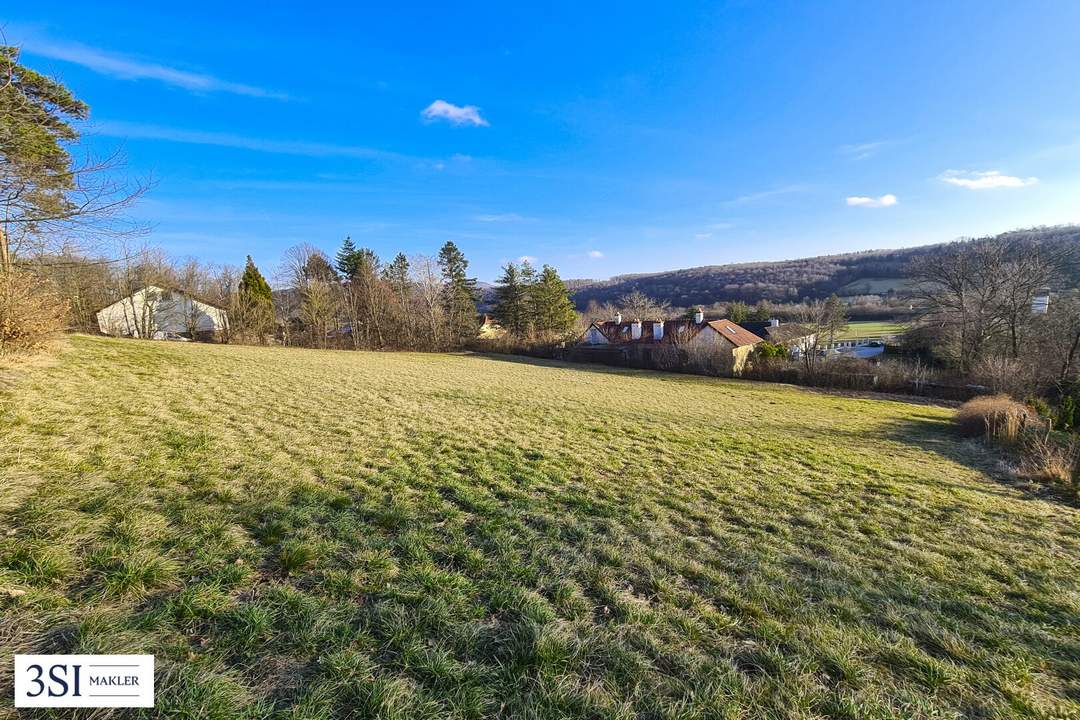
[(721, 345)]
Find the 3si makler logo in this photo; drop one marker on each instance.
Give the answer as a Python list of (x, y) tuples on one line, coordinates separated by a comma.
[(84, 681)]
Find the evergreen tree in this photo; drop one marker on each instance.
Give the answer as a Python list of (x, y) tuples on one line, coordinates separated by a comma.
[(552, 310), (253, 286), (396, 275), (763, 311), (254, 311), (459, 293), (36, 169), (738, 311), (512, 301), (347, 259)]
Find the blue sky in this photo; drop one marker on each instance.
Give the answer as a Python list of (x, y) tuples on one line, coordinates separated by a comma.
[(599, 138)]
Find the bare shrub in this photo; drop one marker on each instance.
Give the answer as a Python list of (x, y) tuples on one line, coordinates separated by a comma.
[(32, 313), (1052, 460), (1004, 375), (997, 417)]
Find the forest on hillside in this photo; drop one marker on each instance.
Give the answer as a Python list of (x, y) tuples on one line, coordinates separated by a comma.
[(787, 280)]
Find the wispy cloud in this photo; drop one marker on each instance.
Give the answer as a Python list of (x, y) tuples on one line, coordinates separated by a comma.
[(872, 202), (125, 67), (527, 259), (453, 114), (199, 137), (862, 151), (986, 180), (765, 195), (702, 235), (595, 255), (500, 218)]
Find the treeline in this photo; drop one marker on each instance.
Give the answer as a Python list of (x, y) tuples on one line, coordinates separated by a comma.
[(352, 300), (793, 280)]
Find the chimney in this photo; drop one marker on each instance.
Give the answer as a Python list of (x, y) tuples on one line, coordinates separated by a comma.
[(774, 322), (635, 330), (658, 330), (618, 318), (699, 316)]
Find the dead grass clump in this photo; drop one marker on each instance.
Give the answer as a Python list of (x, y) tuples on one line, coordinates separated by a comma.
[(996, 417), (32, 313), (1052, 460)]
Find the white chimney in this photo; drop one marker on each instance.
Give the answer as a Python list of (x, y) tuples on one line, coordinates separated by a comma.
[(658, 330), (635, 330), (618, 318), (774, 322), (699, 316)]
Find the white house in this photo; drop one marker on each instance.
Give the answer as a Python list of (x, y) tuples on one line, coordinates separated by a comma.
[(156, 313)]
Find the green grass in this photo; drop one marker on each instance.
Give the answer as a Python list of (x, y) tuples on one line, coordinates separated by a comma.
[(870, 329), (306, 534)]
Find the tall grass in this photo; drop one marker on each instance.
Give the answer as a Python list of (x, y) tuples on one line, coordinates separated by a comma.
[(995, 417)]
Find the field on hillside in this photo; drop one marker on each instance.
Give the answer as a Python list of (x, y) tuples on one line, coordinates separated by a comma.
[(320, 534), (869, 329)]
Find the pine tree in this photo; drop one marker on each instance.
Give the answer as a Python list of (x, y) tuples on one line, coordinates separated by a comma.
[(254, 312), (253, 286), (552, 310), (512, 301), (396, 276), (36, 173), (459, 293), (347, 259), (738, 311)]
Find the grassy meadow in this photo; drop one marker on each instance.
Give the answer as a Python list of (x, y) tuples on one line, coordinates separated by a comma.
[(324, 534), (869, 329)]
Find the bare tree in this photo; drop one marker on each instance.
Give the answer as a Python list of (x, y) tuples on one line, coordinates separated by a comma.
[(427, 278), (1027, 268), (961, 293), (639, 305), (307, 269)]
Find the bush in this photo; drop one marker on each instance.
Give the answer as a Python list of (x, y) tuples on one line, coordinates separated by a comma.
[(1052, 459), (997, 417), (32, 313)]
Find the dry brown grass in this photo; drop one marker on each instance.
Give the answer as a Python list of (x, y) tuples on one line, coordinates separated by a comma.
[(996, 417), (1051, 460), (32, 313)]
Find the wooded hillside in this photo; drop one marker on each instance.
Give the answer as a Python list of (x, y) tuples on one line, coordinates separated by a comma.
[(817, 277)]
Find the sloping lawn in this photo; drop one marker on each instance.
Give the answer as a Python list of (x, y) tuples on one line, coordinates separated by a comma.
[(307, 534)]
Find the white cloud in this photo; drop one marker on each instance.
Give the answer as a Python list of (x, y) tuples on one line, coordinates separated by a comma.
[(453, 114), (527, 259), (499, 217), (198, 137), (128, 68), (595, 254), (987, 180), (702, 236), (872, 202), (862, 151), (765, 195)]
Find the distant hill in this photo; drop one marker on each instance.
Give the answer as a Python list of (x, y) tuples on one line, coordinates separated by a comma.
[(872, 272)]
